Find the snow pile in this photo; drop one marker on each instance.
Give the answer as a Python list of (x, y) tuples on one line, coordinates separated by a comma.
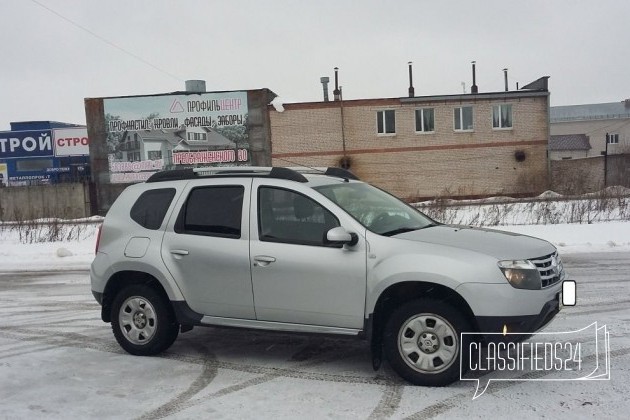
[(18, 253)]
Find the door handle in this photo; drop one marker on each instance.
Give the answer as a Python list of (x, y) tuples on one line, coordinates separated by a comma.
[(263, 260), (179, 252)]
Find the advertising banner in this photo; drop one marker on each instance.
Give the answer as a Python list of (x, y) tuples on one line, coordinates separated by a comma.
[(4, 175), (15, 144), (146, 134), (71, 142)]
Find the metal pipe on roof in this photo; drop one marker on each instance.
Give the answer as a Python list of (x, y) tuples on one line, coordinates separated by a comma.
[(324, 81), (505, 71), (337, 92), (411, 89)]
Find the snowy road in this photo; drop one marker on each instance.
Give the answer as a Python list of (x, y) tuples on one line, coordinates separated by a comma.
[(58, 360)]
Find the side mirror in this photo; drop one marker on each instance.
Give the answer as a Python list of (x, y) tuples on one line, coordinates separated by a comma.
[(340, 236)]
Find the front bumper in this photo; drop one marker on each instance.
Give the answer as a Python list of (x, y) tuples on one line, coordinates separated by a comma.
[(489, 326)]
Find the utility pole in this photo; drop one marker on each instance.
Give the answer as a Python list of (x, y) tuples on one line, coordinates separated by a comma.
[(343, 131), (606, 161)]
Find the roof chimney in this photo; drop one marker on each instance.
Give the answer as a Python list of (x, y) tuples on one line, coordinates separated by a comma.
[(337, 92), (196, 86), (506, 79), (411, 89), (325, 81), (474, 88)]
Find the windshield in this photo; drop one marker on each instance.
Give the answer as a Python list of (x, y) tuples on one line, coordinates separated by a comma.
[(375, 209)]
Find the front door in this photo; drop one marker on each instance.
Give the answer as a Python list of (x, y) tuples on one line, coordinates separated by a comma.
[(296, 277)]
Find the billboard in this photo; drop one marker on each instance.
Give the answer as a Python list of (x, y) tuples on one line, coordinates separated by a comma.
[(71, 142), (17, 144), (44, 156), (146, 134)]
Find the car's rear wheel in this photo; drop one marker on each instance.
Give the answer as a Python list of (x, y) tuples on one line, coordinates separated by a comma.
[(422, 342), (142, 320)]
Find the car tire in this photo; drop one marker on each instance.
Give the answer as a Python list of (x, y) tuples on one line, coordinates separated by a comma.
[(143, 321), (422, 342)]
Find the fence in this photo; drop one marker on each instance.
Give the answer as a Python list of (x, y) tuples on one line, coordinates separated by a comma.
[(67, 201), (577, 176)]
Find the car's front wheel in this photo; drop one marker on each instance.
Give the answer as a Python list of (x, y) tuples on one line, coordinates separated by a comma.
[(422, 342), (142, 320)]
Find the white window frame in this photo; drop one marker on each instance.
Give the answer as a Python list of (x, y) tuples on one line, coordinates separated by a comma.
[(461, 119), (380, 114), (500, 106), (422, 128), (613, 136)]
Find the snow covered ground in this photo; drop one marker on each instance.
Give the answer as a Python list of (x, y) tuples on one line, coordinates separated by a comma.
[(58, 360)]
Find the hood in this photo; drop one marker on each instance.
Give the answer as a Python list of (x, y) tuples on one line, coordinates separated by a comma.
[(498, 244)]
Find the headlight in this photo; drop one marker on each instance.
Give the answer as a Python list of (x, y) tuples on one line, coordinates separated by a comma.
[(521, 274)]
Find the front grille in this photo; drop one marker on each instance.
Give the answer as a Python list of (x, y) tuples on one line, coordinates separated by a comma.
[(550, 269)]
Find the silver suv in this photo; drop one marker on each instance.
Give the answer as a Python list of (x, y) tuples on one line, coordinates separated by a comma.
[(311, 251)]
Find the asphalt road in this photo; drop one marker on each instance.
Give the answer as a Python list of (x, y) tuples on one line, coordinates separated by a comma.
[(59, 360)]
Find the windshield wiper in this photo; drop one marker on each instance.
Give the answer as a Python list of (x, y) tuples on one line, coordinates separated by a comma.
[(406, 229), (400, 230)]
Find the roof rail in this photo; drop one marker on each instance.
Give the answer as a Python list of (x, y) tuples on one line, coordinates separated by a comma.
[(172, 175), (330, 171), (278, 172), (340, 173)]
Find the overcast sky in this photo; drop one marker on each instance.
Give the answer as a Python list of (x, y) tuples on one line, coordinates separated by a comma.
[(133, 47)]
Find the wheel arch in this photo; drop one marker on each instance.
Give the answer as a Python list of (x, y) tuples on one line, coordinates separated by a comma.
[(399, 293), (122, 279)]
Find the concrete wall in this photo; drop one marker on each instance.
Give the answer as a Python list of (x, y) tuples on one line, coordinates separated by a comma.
[(618, 170), (67, 201), (413, 165), (579, 176)]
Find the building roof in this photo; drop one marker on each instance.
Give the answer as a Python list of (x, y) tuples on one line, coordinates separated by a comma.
[(610, 110), (41, 125), (569, 142)]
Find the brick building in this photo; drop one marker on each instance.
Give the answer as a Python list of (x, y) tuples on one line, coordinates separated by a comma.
[(470, 145)]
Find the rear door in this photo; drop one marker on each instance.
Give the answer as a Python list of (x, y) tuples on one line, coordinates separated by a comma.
[(296, 277), (206, 248)]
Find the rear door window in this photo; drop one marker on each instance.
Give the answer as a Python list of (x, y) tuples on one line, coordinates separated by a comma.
[(212, 211)]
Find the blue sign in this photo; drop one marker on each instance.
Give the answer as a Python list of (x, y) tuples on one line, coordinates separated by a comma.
[(15, 144)]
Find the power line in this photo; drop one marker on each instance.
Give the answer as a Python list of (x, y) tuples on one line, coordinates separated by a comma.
[(621, 124), (106, 41)]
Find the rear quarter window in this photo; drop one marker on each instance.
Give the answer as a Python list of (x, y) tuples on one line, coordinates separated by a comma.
[(151, 207)]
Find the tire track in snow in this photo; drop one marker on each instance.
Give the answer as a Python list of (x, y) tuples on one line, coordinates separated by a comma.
[(208, 373), (308, 349), (451, 402), (388, 403), (81, 341), (32, 350)]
